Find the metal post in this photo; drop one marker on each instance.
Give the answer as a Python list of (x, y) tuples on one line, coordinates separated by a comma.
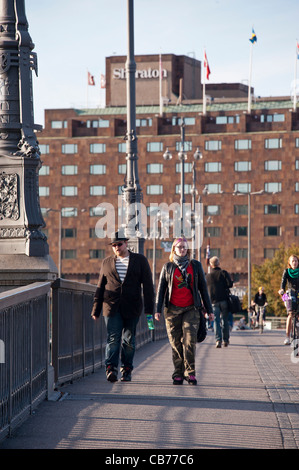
[(182, 159), (132, 190)]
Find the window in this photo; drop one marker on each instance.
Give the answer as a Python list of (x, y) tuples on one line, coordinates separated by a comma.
[(242, 166), (213, 188), (154, 189), (69, 233), (122, 169), (58, 124), (187, 146), (272, 209), (154, 168), (97, 148), (213, 145), (98, 123), (44, 149), (296, 187), (243, 144), (240, 253), (269, 253), (273, 187), (144, 122), (188, 121), (296, 231), (44, 191), (69, 169), (97, 211), (45, 170), (273, 144), (227, 119), (69, 191), (242, 187), (96, 254), (187, 167), (122, 147), (241, 209), (212, 231), (273, 165), (187, 188), (272, 117), (69, 148), (240, 231), (297, 164), (97, 169), (272, 231), (212, 167), (97, 190), (149, 253), (68, 254), (212, 210), (154, 147), (296, 209), (69, 212)]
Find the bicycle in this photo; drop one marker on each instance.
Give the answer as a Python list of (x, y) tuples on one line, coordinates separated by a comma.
[(261, 317), (291, 300)]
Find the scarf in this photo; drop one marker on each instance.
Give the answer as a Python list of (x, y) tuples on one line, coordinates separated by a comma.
[(182, 262), (293, 273)]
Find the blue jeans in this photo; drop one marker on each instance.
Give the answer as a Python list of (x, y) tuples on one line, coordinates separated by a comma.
[(220, 310), (120, 338)]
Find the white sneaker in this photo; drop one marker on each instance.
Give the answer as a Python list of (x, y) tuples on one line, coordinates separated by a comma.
[(287, 341)]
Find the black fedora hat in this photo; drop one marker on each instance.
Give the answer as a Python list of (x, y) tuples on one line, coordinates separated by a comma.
[(118, 237)]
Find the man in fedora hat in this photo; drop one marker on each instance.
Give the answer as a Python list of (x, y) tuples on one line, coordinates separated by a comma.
[(119, 295)]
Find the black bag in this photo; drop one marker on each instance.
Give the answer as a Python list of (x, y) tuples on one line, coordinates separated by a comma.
[(202, 329), (234, 304)]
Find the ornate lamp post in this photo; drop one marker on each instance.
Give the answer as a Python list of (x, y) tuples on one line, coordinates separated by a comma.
[(132, 191), (20, 214)]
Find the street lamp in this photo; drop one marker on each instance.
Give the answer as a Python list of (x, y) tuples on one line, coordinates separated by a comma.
[(182, 157), (249, 194)]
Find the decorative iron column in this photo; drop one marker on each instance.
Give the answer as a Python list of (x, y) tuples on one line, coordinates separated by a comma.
[(20, 214), (132, 192)]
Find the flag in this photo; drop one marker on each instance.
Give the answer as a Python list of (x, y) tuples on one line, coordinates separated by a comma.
[(208, 254), (297, 49), (103, 81), (90, 79), (206, 65), (253, 38)]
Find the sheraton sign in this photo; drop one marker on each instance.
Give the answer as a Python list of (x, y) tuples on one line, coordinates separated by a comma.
[(120, 74)]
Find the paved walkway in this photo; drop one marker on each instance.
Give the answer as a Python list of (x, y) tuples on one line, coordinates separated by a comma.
[(247, 398)]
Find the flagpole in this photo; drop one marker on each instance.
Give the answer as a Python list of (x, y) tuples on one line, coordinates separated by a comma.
[(295, 78), (249, 82), (204, 103), (160, 85)]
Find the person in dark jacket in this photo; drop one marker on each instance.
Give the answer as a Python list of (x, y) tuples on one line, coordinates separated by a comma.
[(218, 282), (182, 286), (260, 302), (119, 295), (290, 282)]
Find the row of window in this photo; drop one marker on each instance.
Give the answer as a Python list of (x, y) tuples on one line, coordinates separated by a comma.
[(209, 145), (241, 231), (188, 121), (240, 253), (242, 209), (157, 168)]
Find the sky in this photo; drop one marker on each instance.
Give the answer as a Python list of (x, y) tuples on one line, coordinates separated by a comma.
[(72, 37)]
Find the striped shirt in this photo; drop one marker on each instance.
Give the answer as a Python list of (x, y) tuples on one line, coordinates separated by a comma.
[(121, 265)]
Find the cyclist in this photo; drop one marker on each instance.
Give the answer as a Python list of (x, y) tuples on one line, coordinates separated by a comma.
[(290, 279), (260, 300)]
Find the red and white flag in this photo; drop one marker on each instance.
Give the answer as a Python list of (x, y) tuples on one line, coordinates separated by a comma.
[(206, 65), (103, 81), (90, 79)]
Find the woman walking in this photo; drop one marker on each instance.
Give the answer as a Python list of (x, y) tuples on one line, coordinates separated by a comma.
[(182, 286)]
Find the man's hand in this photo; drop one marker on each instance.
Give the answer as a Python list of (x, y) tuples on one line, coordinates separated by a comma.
[(157, 316)]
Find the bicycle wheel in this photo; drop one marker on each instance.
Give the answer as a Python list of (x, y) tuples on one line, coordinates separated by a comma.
[(261, 321), (295, 331)]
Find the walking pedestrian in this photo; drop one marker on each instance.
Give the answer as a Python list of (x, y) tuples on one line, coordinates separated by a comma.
[(182, 285), (119, 295), (219, 282), (290, 280)]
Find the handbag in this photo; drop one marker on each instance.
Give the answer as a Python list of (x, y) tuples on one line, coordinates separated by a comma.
[(234, 303), (202, 328)]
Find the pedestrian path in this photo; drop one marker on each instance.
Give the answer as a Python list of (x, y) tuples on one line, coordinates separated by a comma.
[(247, 397)]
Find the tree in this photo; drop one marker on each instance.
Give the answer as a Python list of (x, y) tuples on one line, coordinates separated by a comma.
[(269, 276)]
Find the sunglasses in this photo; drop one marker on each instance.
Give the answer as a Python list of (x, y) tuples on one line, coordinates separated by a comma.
[(117, 244)]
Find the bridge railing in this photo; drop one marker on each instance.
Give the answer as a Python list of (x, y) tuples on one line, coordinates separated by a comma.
[(24, 360)]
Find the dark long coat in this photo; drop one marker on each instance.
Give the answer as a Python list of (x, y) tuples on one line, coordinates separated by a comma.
[(113, 295)]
